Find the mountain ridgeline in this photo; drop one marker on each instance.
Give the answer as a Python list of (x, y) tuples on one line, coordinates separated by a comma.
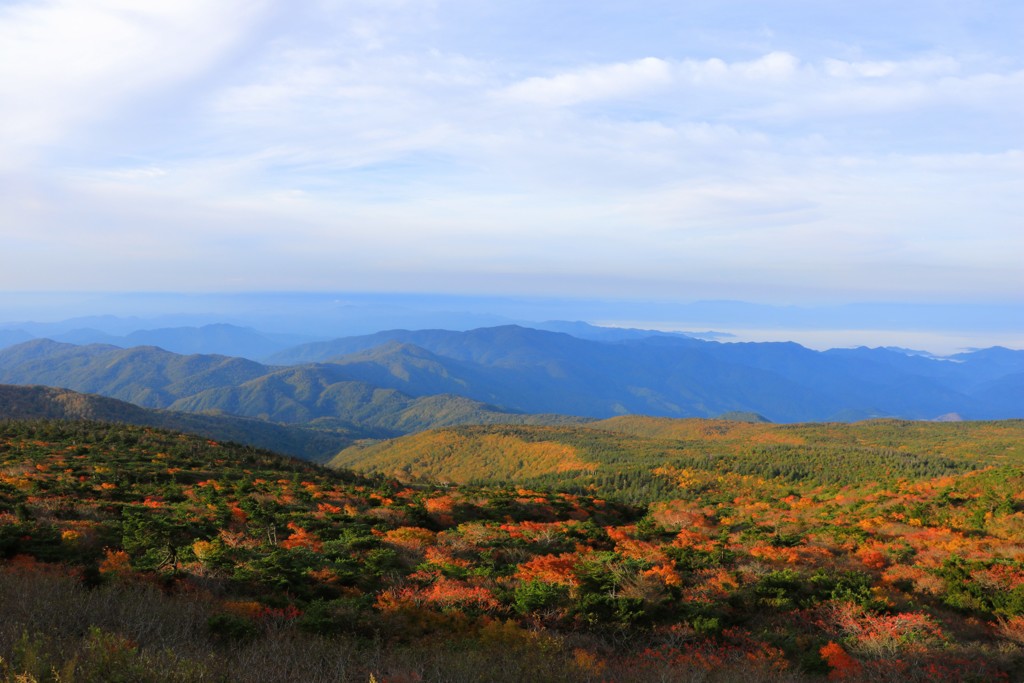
[(401, 381)]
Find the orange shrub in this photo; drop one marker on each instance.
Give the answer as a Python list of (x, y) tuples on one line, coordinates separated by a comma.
[(115, 562), (872, 558), (410, 537), (300, 538), (842, 665), (550, 569)]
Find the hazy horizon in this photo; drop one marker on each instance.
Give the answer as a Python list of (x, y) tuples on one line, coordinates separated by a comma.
[(942, 329)]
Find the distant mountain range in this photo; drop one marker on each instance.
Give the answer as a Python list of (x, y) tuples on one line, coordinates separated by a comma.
[(323, 395), (401, 381), (220, 338), (246, 342), (327, 315), (671, 375)]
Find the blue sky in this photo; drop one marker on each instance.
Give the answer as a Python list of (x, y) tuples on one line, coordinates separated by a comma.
[(783, 152)]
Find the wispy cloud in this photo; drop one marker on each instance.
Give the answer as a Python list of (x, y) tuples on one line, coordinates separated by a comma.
[(359, 141), (592, 83), (64, 63)]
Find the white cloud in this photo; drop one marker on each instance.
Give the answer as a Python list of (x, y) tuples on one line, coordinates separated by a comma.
[(775, 66), (647, 76), (594, 83)]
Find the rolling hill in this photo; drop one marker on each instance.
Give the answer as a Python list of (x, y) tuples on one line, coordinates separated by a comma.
[(641, 458), (49, 403)]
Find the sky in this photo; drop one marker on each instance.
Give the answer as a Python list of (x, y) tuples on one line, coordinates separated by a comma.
[(785, 152)]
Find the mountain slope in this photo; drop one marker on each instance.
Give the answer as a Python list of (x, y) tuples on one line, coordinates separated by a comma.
[(410, 367), (324, 394)]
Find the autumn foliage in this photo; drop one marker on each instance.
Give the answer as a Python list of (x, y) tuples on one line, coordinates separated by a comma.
[(907, 577)]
